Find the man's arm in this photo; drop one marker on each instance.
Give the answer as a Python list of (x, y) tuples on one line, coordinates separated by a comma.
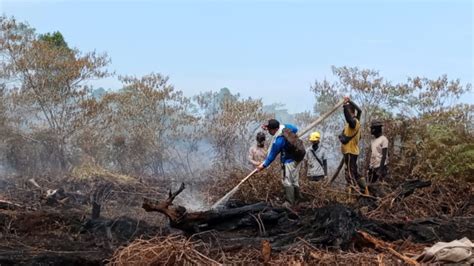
[(349, 119), (305, 163), (384, 157), (384, 151), (276, 148), (325, 166), (359, 111)]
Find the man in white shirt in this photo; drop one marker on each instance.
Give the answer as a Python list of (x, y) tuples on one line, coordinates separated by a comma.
[(379, 153), (316, 164)]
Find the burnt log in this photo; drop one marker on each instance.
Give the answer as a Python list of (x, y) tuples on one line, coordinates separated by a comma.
[(222, 219), (334, 225)]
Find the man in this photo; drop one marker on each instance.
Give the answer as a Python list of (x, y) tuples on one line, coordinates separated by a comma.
[(379, 153), (350, 144), (257, 152), (316, 164), (289, 165)]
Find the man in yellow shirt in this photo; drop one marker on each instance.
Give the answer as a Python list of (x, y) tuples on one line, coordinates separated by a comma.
[(350, 144)]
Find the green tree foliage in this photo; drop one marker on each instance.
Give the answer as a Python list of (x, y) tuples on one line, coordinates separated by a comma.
[(55, 39)]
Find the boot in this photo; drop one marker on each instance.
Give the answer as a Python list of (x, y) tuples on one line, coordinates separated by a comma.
[(363, 186), (297, 194), (290, 194)]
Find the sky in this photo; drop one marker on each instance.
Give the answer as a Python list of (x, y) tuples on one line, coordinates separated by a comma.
[(274, 50)]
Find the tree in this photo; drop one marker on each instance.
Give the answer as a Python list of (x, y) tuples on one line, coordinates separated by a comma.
[(142, 122), (48, 79), (55, 39), (229, 123), (412, 107)]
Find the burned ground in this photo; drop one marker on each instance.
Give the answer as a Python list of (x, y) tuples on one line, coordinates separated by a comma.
[(326, 228)]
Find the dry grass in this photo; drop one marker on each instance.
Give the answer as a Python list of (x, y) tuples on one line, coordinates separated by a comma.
[(266, 186), (263, 186), (442, 199), (178, 250), (90, 171), (171, 250)]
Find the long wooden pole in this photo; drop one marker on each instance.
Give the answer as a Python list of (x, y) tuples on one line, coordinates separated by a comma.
[(339, 168), (229, 194), (320, 119)]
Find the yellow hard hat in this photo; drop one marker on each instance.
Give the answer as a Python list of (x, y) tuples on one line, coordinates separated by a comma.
[(315, 136)]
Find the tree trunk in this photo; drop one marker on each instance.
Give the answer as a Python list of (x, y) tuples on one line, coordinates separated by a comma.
[(95, 210)]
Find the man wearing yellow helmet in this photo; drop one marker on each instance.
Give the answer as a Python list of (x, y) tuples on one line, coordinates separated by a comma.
[(316, 164)]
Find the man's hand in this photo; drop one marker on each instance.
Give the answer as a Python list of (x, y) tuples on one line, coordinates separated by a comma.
[(260, 167), (346, 99)]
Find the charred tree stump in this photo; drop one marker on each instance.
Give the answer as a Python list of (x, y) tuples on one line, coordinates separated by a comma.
[(95, 211), (98, 197)]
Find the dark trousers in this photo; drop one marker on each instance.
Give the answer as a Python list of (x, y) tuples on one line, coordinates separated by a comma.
[(351, 174), (375, 175), (316, 177)]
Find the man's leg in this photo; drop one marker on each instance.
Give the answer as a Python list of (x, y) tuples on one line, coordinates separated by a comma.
[(384, 175), (287, 184), (347, 172), (352, 176), (355, 173), (372, 176), (295, 179)]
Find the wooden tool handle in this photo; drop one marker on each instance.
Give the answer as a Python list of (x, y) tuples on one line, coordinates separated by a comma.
[(320, 119)]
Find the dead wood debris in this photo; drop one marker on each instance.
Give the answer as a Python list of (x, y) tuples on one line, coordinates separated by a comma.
[(178, 250)]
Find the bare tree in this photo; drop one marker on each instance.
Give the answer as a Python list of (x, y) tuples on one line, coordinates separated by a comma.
[(142, 122), (229, 124), (49, 80)]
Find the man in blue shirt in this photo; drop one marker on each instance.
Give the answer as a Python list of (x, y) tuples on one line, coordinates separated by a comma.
[(289, 165)]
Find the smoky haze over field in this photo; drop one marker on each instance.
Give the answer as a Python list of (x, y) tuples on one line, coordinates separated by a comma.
[(127, 172), (53, 122), (262, 49)]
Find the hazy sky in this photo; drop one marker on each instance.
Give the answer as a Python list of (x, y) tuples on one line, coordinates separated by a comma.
[(264, 49)]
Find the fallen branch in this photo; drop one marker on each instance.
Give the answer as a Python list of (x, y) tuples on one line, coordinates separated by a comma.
[(8, 205), (380, 244)]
